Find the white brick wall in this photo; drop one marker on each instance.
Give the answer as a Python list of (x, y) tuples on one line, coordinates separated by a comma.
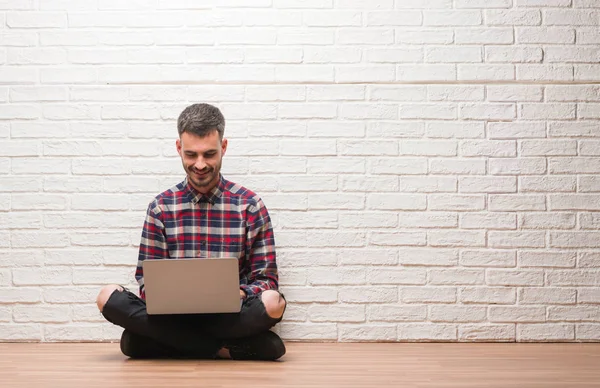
[(431, 167)]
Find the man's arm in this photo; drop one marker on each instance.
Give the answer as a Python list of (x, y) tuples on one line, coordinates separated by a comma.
[(261, 243), (153, 244)]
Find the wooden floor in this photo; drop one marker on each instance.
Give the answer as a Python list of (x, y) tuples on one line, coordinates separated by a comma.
[(311, 365)]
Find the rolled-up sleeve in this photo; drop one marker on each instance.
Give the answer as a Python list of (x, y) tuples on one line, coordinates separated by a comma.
[(260, 242), (153, 244)]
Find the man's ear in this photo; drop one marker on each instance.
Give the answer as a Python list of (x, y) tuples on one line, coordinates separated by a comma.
[(178, 145), (223, 146)]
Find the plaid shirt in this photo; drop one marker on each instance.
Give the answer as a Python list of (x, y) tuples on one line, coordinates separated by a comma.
[(229, 221)]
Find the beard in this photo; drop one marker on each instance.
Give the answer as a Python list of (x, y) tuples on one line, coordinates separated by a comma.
[(205, 178)]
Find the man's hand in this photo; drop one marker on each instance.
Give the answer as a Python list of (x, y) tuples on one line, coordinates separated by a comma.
[(242, 294)]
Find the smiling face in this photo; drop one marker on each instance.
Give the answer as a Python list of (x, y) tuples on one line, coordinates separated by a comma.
[(201, 158)]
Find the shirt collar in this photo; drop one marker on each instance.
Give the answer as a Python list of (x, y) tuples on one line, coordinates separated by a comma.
[(212, 196)]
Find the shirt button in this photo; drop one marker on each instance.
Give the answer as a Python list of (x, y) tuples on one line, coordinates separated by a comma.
[(202, 243)]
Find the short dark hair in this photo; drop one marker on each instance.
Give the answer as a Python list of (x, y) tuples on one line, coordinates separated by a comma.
[(201, 120)]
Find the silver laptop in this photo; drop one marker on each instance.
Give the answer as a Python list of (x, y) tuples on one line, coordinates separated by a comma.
[(192, 286)]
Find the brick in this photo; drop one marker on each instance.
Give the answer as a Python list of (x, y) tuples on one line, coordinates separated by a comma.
[(67, 256), (39, 239), (589, 220), (571, 54), (389, 129), (518, 130), (487, 295), (574, 313), (397, 93), (325, 165), (20, 295), (397, 276), (513, 17), (573, 278), (502, 239), (575, 202), (517, 314), (573, 239), (503, 54), (588, 35), (587, 332), (42, 276), (456, 202), (547, 184), (488, 221), (487, 185), (307, 332), (368, 257), (586, 295), (453, 54), (519, 166), (491, 148), (367, 333), (554, 220), (545, 332), (522, 278), (372, 36), (304, 111), (457, 313), (486, 72), (327, 55), (455, 277), (368, 111), (368, 295), (588, 260), (304, 37), (455, 93), (317, 258), (36, 20), (334, 129), (589, 148), (22, 258), (428, 294), (488, 258), (487, 111), (366, 220), (427, 72), (579, 165), (20, 332), (398, 239), (487, 333), (427, 148), (396, 202), (546, 259), (458, 130), (333, 92), (428, 257), (22, 112), (456, 238), (428, 220), (452, 18), (41, 313), (16, 184), (552, 35), (335, 313), (367, 147), (336, 276), (427, 332), (101, 276), (570, 17), (334, 18), (389, 313), (428, 184), (371, 184), (547, 295), (336, 201), (537, 72), (508, 202), (483, 4), (359, 4)]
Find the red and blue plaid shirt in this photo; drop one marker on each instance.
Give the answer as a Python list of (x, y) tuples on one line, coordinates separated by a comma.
[(229, 221)]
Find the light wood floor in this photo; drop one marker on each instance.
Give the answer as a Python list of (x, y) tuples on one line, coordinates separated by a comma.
[(311, 365)]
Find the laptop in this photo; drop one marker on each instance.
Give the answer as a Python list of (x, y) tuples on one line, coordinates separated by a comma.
[(192, 286)]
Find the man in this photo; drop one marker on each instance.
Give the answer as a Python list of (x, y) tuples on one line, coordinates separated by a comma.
[(204, 216)]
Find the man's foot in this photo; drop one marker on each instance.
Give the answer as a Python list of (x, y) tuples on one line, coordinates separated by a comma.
[(266, 346), (137, 346)]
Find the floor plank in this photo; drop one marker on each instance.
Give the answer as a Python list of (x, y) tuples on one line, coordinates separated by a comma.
[(311, 365)]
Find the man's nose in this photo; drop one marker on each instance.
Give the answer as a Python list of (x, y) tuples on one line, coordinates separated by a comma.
[(200, 164)]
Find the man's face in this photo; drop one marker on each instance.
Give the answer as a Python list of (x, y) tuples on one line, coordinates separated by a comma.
[(201, 158)]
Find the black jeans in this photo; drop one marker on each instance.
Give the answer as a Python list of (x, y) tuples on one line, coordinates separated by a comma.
[(199, 334)]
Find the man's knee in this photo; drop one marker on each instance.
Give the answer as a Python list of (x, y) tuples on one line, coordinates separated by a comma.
[(105, 293), (274, 303)]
